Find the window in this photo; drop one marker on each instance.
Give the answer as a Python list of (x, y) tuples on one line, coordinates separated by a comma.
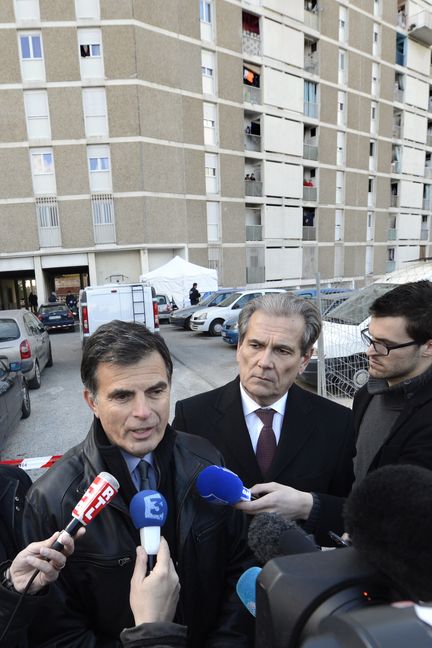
[(31, 46), (338, 225), (103, 218), (213, 222), (48, 222), (340, 150), (372, 155), (390, 254), (205, 11), (209, 120), (310, 99), (27, 10), (370, 229), (42, 167), (371, 190), (375, 79), (99, 168), (377, 7), (369, 260), (341, 113), (342, 67), (207, 70), (36, 109), (212, 185), (90, 53), (87, 9), (90, 49), (340, 186), (95, 112), (376, 40), (374, 116), (342, 24)]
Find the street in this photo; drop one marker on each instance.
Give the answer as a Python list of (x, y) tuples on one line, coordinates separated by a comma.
[(60, 418)]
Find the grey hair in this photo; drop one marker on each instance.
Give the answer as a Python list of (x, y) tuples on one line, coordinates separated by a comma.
[(284, 305)]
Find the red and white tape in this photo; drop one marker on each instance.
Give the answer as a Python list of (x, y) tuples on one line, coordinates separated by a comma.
[(32, 463)]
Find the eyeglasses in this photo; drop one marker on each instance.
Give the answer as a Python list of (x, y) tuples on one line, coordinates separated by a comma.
[(380, 347)]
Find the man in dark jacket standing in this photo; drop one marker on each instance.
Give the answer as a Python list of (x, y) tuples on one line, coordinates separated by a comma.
[(194, 295), (393, 411), (126, 371)]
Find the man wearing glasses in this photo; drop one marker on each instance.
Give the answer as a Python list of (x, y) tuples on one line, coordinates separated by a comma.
[(393, 411)]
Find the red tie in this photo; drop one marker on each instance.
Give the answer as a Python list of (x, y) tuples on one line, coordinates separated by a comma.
[(266, 446)]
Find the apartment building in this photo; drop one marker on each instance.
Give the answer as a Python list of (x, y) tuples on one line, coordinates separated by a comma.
[(267, 139)]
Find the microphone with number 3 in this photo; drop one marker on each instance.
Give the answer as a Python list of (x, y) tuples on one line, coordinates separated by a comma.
[(149, 510)]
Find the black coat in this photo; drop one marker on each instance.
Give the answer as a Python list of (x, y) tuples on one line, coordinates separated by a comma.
[(211, 550), (410, 439), (315, 451)]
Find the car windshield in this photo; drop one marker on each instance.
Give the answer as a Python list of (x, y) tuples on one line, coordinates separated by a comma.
[(8, 330), (161, 299), (50, 308), (356, 309), (229, 300)]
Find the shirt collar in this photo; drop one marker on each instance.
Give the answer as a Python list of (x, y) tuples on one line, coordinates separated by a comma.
[(249, 405), (132, 461)]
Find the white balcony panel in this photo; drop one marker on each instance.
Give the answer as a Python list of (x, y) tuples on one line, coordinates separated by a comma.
[(283, 136), (414, 127), (416, 93), (283, 90), (411, 194), (87, 9), (275, 39), (283, 263), (283, 222), (293, 8), (418, 58), (408, 226), (413, 161), (283, 179)]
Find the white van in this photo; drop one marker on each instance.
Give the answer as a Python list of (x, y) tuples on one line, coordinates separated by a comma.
[(344, 352), (128, 302)]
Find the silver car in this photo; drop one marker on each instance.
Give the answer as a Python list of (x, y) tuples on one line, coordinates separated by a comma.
[(24, 339)]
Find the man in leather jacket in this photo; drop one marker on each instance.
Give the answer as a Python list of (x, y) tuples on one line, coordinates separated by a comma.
[(126, 371)]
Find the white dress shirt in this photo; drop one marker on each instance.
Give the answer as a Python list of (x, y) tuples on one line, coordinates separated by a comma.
[(254, 423)]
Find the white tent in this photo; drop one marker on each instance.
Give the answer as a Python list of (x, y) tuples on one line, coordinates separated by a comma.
[(176, 277)]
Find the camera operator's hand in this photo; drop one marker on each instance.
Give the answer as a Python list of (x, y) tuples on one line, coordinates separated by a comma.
[(154, 597), (276, 498), (38, 555)]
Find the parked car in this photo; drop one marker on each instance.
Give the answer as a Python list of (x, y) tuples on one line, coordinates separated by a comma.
[(24, 339), (56, 316), (14, 397), (229, 330), (210, 320), (165, 307), (182, 317)]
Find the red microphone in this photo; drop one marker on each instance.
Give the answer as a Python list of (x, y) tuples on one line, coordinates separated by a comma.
[(100, 492)]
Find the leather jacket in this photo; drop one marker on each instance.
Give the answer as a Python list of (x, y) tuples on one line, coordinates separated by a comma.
[(210, 548)]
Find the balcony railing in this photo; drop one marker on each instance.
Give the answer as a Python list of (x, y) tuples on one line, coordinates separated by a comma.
[(311, 65), (251, 94), (103, 218), (255, 275), (428, 172), (392, 234), (311, 109), (311, 17), (310, 152), (394, 200), (253, 232), (251, 43), (252, 142), (310, 194), (309, 233), (399, 95), (401, 19), (390, 266), (395, 167), (48, 222), (426, 203), (253, 188), (429, 139), (424, 234), (397, 131)]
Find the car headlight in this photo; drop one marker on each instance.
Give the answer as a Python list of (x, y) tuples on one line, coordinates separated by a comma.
[(234, 327), (201, 316)]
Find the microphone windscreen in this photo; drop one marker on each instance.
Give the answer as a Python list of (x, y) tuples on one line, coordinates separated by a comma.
[(270, 535), (100, 492), (148, 508), (246, 588), (219, 485)]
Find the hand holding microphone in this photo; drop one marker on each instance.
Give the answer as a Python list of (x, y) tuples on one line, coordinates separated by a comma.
[(277, 498)]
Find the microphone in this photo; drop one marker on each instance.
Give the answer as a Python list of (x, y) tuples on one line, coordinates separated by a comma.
[(246, 588), (270, 535), (149, 510), (221, 486), (100, 492)]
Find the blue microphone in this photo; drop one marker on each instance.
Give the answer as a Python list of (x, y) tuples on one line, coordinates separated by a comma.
[(149, 510), (246, 588), (221, 486)]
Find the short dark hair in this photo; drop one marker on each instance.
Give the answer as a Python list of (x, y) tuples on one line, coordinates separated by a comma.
[(410, 300), (284, 305), (120, 343), (389, 518)]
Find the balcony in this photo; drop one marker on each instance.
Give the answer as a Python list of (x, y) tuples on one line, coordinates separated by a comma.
[(426, 203), (392, 234), (251, 94), (401, 19), (103, 218), (309, 233), (254, 233), (428, 172), (390, 266), (394, 200), (310, 152), (311, 15), (420, 27), (311, 109), (255, 275), (48, 222), (429, 139), (253, 188), (251, 43), (310, 194), (395, 167), (311, 64), (397, 131), (398, 95), (424, 234), (252, 142)]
